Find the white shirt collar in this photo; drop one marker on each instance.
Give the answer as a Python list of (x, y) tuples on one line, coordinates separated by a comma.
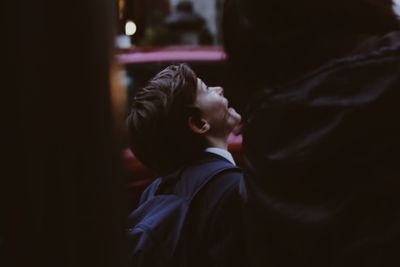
[(221, 152)]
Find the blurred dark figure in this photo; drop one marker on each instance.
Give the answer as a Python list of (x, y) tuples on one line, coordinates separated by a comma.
[(321, 85), (188, 25)]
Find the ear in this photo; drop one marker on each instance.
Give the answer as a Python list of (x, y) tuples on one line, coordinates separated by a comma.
[(198, 125)]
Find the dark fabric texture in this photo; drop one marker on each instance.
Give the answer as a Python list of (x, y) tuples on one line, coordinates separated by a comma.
[(213, 233), (322, 165), (163, 222)]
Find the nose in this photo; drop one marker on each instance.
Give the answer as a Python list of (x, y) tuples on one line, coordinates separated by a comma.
[(219, 90)]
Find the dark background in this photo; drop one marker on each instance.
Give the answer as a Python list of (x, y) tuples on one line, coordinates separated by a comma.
[(63, 197)]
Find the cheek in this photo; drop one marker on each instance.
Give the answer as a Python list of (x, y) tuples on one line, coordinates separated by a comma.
[(222, 114), (214, 108), (213, 105), (219, 109)]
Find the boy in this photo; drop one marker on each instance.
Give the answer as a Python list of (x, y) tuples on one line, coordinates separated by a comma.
[(178, 123)]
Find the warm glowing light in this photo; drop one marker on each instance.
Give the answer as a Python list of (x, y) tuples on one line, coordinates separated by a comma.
[(130, 28), (121, 8)]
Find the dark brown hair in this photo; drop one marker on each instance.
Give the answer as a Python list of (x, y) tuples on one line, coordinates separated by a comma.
[(158, 120)]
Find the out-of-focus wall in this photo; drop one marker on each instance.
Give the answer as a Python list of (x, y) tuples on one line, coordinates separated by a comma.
[(396, 7)]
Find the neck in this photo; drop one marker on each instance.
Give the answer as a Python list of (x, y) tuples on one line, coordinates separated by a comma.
[(219, 142)]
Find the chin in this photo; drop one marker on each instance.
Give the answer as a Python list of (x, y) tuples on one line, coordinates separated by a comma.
[(234, 114)]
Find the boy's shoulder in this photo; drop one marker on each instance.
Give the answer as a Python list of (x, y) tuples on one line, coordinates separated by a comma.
[(222, 180), (206, 165), (192, 176), (206, 161)]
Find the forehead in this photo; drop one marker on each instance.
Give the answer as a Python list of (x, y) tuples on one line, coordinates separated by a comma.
[(200, 84)]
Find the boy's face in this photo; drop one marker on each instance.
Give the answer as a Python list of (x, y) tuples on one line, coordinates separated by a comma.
[(221, 118)]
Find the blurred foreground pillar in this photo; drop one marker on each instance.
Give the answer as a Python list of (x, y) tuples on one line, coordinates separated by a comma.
[(63, 188)]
